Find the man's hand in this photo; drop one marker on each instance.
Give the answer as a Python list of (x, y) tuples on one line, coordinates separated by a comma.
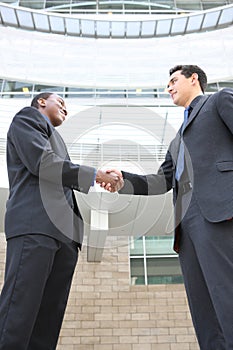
[(111, 179)]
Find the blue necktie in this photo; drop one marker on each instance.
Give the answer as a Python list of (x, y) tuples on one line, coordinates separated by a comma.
[(180, 158)]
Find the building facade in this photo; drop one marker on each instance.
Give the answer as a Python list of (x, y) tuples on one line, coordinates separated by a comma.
[(110, 61)]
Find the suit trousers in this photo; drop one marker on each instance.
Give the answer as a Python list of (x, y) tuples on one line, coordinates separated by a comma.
[(206, 257), (38, 276)]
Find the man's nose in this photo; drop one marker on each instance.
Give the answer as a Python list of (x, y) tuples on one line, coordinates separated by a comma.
[(169, 89)]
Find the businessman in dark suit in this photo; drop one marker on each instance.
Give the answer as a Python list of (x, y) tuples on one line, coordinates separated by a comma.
[(203, 198), (43, 226)]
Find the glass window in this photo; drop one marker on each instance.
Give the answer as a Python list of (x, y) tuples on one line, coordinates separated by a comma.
[(72, 26), (43, 88), (142, 93), (194, 23), (88, 27), (38, 4), (22, 89), (163, 4), (153, 261), (179, 24), (211, 4), (137, 271), (107, 7), (16, 89), (53, 3), (25, 19), (212, 87), (8, 1), (57, 24), (225, 84), (163, 27), (8, 15), (226, 16), (148, 28), (189, 5), (135, 8), (78, 92), (163, 271), (103, 93), (211, 19), (136, 246), (118, 29), (1, 85), (103, 28), (132, 29), (159, 245), (41, 21)]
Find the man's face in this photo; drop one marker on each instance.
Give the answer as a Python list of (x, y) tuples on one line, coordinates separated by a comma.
[(180, 88), (55, 109)]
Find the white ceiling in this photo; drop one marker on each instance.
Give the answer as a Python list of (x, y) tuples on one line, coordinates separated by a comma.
[(126, 63)]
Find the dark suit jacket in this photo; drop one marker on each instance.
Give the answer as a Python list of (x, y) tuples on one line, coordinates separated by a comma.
[(41, 180), (208, 137)]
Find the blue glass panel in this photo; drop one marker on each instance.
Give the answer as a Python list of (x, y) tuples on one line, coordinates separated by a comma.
[(163, 27), (118, 29), (210, 19), (133, 29), (148, 28), (8, 15), (103, 28), (88, 27), (179, 25), (57, 24), (194, 23), (25, 19), (226, 16), (72, 26), (41, 22)]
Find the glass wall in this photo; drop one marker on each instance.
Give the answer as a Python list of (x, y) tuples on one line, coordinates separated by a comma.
[(121, 6), (153, 261), (11, 89)]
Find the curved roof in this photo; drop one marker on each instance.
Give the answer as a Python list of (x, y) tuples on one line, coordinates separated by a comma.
[(123, 27)]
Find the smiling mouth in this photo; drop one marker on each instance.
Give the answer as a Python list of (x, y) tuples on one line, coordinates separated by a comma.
[(63, 115)]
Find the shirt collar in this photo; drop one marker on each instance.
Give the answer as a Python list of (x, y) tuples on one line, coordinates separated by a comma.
[(195, 101), (46, 118)]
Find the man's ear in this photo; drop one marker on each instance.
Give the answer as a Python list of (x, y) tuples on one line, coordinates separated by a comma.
[(194, 77), (41, 102)]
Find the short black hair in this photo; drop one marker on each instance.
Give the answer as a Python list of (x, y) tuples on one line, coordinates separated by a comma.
[(44, 95), (188, 70)]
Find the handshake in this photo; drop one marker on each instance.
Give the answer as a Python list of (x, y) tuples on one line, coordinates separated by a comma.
[(111, 179)]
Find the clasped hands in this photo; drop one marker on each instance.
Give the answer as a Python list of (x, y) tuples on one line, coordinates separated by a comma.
[(110, 179)]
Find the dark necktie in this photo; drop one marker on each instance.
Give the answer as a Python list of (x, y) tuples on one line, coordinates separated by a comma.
[(180, 158)]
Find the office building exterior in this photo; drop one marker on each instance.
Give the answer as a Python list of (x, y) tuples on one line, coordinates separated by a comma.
[(110, 61)]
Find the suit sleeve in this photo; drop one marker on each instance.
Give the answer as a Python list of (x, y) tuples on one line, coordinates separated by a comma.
[(44, 154), (151, 184), (225, 107)]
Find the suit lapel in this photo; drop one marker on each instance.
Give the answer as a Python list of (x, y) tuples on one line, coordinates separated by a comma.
[(174, 147), (196, 109)]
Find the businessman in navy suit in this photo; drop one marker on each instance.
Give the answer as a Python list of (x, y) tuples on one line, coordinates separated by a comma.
[(203, 199), (43, 226)]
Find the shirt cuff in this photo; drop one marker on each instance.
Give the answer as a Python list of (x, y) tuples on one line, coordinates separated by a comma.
[(94, 177)]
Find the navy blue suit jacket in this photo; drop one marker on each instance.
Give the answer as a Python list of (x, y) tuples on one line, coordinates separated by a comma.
[(208, 137), (42, 180)]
